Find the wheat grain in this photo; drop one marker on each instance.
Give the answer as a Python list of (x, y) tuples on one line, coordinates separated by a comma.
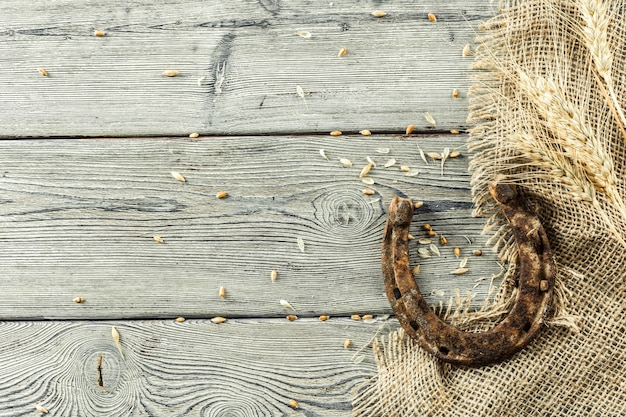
[(366, 170), (116, 338)]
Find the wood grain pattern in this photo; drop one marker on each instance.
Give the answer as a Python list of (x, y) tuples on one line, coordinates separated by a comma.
[(241, 368), (240, 63), (77, 218)]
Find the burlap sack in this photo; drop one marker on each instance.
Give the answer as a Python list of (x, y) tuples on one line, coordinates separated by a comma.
[(548, 106)]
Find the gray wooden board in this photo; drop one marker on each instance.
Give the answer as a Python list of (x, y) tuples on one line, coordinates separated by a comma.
[(77, 218), (238, 368), (240, 64)]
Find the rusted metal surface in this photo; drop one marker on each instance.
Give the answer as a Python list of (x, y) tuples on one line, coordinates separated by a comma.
[(534, 287)]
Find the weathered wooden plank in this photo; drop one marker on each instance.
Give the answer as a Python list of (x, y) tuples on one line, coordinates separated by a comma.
[(239, 368), (77, 218), (240, 63)]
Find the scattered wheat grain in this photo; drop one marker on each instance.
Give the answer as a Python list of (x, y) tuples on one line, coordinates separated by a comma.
[(430, 119), (432, 17), (409, 129), (41, 409), (300, 242), (158, 239), (368, 181), (324, 318), (365, 132), (99, 33), (116, 338), (367, 317), (292, 317), (405, 168), (434, 155), (171, 73), (218, 320), (180, 319), (222, 292), (455, 93), (78, 300), (379, 13), (368, 191), (342, 52), (221, 194), (43, 71), (418, 204), (457, 251), (459, 271), (293, 404), (477, 252), (366, 170), (177, 176), (336, 133), (443, 240), (274, 275), (455, 154), (416, 269), (345, 162), (347, 343), (194, 135), (467, 50), (454, 132)]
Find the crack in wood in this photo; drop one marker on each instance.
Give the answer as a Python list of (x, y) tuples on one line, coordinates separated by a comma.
[(99, 379)]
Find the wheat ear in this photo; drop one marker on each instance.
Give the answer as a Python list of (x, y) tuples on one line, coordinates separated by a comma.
[(577, 139), (596, 18), (559, 168)]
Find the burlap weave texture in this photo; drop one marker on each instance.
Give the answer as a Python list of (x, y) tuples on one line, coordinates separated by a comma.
[(547, 106)]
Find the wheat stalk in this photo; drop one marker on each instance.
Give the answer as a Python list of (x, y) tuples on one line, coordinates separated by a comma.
[(596, 17)]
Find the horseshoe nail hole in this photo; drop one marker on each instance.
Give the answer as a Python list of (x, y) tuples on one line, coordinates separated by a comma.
[(444, 350), (414, 325), (526, 327), (397, 293)]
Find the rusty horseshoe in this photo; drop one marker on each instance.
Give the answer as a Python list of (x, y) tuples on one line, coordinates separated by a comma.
[(515, 331)]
